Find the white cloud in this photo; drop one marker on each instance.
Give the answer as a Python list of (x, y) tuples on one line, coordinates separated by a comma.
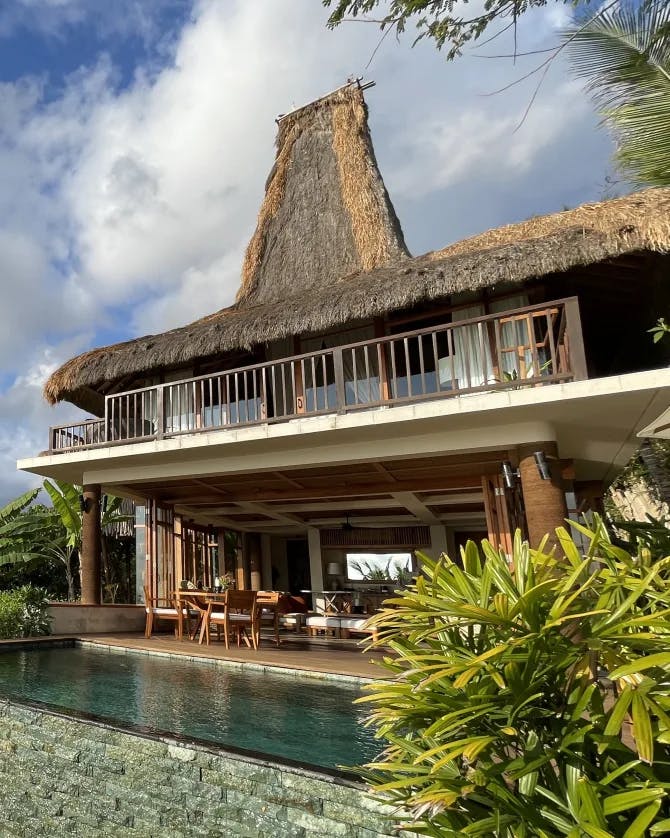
[(138, 203)]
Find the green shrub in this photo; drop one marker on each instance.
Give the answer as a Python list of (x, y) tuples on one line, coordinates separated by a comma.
[(23, 612), (532, 701)]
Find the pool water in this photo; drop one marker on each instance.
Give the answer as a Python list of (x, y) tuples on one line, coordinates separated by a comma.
[(313, 721)]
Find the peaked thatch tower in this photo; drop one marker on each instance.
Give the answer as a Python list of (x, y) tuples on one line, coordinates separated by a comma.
[(326, 211)]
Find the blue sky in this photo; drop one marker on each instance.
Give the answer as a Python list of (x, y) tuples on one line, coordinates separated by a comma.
[(135, 139)]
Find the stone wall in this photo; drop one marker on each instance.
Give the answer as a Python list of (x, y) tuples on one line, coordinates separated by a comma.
[(74, 618), (71, 775)]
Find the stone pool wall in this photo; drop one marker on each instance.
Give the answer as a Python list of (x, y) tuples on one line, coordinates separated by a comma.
[(74, 618), (67, 775)]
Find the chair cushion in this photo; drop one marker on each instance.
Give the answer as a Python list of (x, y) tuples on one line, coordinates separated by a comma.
[(164, 612), (322, 621), (354, 623)]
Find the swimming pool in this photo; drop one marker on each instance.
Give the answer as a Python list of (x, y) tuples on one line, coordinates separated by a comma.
[(310, 721)]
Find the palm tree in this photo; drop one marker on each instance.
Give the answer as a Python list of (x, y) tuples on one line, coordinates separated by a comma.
[(624, 53)]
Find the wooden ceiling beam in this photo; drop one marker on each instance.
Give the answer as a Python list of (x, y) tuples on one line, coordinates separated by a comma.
[(410, 501), (453, 499), (268, 512), (382, 470), (216, 489), (435, 483), (289, 480)]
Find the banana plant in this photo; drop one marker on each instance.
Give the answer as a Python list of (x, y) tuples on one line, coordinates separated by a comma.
[(528, 695)]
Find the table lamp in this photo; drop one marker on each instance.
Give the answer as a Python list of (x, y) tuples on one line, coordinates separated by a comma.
[(334, 570)]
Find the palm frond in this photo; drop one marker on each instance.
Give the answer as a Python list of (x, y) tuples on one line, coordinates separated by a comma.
[(624, 55)]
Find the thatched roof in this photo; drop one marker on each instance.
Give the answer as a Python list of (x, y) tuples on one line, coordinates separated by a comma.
[(326, 211), (509, 255)]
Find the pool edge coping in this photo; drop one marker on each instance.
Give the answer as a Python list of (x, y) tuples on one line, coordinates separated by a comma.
[(277, 669)]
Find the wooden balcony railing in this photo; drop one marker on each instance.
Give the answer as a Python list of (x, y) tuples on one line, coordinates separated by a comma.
[(527, 347)]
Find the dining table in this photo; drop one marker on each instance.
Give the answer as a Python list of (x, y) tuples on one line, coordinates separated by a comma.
[(195, 601)]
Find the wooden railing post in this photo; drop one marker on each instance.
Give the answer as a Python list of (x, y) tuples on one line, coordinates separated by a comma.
[(575, 339), (160, 411), (108, 435), (340, 391)]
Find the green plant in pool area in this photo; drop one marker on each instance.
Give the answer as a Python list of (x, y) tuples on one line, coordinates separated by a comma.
[(530, 699), (23, 612)]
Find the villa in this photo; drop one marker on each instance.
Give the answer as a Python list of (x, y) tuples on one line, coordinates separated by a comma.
[(355, 398)]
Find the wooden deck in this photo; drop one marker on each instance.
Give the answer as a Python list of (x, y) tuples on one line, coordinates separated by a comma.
[(329, 657)]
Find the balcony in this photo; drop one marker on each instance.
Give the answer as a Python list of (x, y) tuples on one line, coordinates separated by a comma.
[(529, 347)]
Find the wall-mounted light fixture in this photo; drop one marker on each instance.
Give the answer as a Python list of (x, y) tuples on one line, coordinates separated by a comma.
[(84, 503), (542, 465), (510, 474)]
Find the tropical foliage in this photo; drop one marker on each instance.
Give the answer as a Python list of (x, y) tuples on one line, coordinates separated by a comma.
[(33, 536), (443, 21), (530, 699), (624, 54), (23, 612)]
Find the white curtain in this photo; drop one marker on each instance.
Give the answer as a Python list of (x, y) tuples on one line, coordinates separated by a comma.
[(470, 365), (361, 380)]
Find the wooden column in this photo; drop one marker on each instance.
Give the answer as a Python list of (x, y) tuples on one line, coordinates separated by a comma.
[(544, 500), (91, 537), (254, 548), (240, 575), (178, 536), (497, 513)]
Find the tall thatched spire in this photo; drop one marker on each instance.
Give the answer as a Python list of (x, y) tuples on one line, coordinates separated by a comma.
[(326, 211)]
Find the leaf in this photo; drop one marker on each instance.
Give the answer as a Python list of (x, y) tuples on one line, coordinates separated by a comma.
[(11, 509), (65, 499), (618, 712), (642, 729), (624, 54), (594, 831), (622, 769), (590, 805), (639, 826), (630, 800), (662, 660)]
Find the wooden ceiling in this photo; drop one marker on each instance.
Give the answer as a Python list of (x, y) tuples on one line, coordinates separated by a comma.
[(432, 491)]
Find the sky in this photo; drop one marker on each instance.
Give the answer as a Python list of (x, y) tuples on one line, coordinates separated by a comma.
[(135, 140)]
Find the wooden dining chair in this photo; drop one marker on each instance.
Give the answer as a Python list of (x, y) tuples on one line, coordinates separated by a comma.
[(159, 609), (195, 609), (239, 617), (267, 612)]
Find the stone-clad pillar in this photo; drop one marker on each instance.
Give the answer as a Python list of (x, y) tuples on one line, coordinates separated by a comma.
[(544, 500), (91, 537)]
